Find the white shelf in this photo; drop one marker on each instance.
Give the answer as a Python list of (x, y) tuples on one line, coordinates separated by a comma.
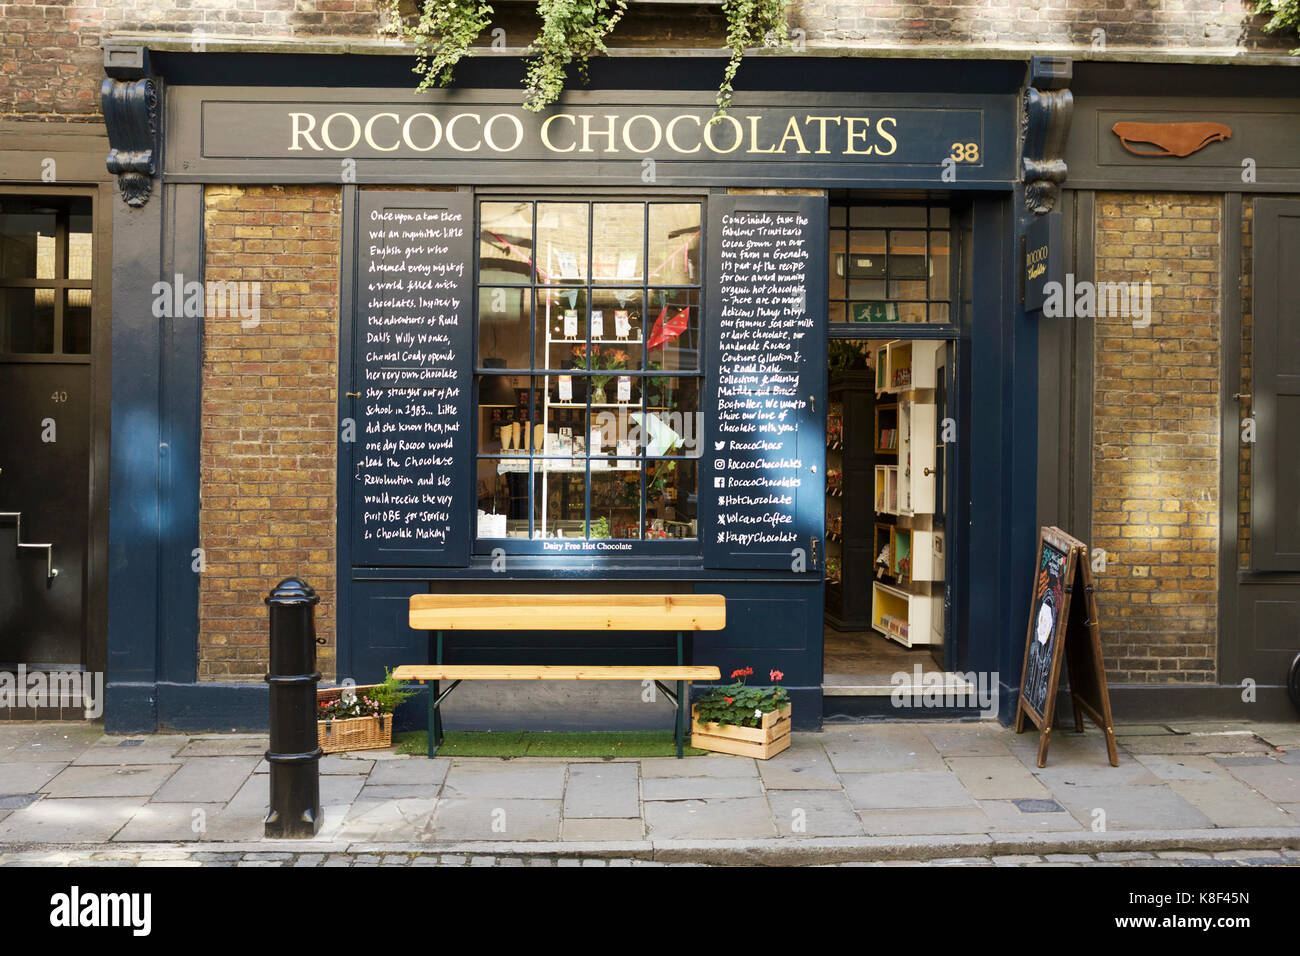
[(891, 607)]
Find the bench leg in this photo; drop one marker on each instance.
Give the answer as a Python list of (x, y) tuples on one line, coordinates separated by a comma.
[(433, 718), (681, 718)]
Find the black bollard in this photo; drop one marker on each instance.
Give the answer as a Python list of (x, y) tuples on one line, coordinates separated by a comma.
[(295, 752)]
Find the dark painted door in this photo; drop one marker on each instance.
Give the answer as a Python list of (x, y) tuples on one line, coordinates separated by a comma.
[(45, 296), (1268, 607)]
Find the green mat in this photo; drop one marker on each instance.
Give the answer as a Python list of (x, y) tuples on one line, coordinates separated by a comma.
[(645, 743)]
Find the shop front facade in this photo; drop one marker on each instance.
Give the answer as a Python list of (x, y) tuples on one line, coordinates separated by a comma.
[(802, 356)]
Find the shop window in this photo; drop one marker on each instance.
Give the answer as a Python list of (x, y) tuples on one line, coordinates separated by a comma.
[(45, 275), (889, 263), (588, 356)]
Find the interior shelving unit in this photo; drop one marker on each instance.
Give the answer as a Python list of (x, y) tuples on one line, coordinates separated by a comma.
[(908, 552), (850, 464)]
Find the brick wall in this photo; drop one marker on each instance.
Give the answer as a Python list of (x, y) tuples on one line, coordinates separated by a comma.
[(1156, 438), (50, 64), (267, 456)]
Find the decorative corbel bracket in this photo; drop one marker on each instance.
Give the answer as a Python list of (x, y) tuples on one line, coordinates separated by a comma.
[(1044, 126), (129, 100)]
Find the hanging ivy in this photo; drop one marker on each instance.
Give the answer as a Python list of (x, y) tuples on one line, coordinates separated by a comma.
[(1284, 14), (750, 23), (442, 33), (572, 32)]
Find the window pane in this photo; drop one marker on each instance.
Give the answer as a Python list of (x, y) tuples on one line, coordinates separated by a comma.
[(673, 338), (939, 265), (561, 327), (80, 260), (838, 263), (618, 242), (504, 315), (561, 242), (503, 409), (26, 238), (503, 495), (672, 423), (76, 322), (866, 254), (837, 313), (671, 497), (27, 320), (887, 216), (907, 255), (675, 243), (616, 322), (559, 498), (615, 501), (505, 242)]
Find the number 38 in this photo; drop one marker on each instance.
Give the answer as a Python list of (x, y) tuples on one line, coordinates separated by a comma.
[(965, 152)]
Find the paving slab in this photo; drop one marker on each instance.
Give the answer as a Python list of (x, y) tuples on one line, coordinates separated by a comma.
[(1022, 816), (995, 778), (956, 820), (110, 781), (908, 789), (737, 818), (968, 739), (1183, 767), (1279, 782), (169, 822), (120, 751), (700, 788), (46, 742), (714, 765), (227, 745), (1129, 773), (206, 780), (504, 779), (74, 820), (1197, 744), (420, 770), (1231, 803), (858, 748), (389, 821), (27, 776), (603, 790), (343, 764), (813, 813), (335, 788), (496, 819), (1129, 808), (1141, 730), (408, 791), (802, 766), (593, 830)]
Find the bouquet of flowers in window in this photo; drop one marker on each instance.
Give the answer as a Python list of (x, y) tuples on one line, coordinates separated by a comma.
[(598, 359)]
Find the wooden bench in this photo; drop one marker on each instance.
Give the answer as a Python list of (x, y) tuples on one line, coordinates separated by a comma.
[(562, 612)]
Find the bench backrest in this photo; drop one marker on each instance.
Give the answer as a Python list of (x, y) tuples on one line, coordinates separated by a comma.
[(568, 612)]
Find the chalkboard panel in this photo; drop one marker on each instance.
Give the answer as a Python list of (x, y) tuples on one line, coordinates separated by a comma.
[(414, 345), (1046, 619), (763, 466)]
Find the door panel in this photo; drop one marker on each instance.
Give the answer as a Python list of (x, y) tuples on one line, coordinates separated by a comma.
[(42, 622)]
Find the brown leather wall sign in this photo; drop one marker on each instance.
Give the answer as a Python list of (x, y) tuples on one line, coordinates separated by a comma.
[(1172, 139)]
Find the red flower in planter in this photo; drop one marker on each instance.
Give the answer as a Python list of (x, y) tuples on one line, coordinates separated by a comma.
[(727, 699), (776, 675)]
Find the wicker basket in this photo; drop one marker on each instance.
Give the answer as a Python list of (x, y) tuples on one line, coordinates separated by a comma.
[(356, 733)]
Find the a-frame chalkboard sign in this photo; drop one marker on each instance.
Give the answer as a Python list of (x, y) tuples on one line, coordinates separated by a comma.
[(1063, 624)]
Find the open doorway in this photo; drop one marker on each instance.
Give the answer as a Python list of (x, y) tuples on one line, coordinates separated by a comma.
[(893, 277)]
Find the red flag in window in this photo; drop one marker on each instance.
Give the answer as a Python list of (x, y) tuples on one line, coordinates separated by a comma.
[(663, 331)]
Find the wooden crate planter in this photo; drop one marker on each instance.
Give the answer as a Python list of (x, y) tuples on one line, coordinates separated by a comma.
[(354, 733), (766, 740)]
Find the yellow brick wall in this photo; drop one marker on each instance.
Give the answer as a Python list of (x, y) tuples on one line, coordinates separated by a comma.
[(1156, 438), (267, 456)]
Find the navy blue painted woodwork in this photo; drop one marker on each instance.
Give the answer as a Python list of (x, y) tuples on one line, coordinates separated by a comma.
[(762, 472), (411, 454)]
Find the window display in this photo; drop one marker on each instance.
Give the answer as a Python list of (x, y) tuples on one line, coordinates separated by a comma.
[(589, 378)]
